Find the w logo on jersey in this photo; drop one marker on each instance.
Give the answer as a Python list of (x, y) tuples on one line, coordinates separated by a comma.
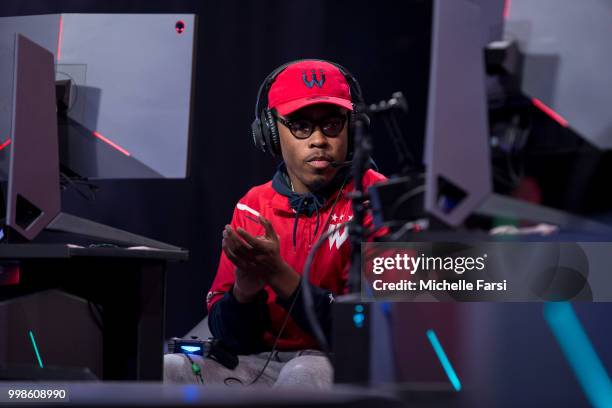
[(336, 237)]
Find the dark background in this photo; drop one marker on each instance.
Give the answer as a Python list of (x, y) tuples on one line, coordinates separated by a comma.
[(384, 43)]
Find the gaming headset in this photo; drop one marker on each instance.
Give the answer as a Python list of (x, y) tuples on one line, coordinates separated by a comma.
[(264, 130)]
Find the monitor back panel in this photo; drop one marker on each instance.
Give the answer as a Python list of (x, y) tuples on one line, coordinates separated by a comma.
[(130, 104)]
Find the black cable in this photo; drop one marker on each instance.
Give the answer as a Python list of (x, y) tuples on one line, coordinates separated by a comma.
[(280, 332), (307, 296), (405, 227), (197, 371), (500, 176), (73, 183), (403, 159), (405, 156), (398, 132), (405, 197)]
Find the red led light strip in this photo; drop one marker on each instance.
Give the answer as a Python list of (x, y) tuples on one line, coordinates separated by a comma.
[(59, 39), (540, 105), (109, 142), (506, 9), (5, 144)]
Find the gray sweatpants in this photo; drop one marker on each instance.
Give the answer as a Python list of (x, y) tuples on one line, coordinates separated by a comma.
[(305, 368)]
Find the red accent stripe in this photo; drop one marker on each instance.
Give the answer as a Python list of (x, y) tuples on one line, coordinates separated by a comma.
[(506, 9), (3, 145), (59, 39), (112, 144), (540, 105)]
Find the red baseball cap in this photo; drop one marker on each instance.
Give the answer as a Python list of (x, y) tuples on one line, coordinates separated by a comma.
[(306, 83)]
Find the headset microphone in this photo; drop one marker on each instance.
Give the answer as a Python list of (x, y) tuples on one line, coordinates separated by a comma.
[(340, 164)]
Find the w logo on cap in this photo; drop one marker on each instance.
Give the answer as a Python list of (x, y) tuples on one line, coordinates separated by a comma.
[(314, 81)]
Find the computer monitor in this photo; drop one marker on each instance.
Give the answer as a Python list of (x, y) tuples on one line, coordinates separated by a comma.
[(566, 62), (33, 200), (131, 77), (457, 148)]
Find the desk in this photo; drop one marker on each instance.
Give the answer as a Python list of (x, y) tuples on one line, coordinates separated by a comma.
[(128, 284)]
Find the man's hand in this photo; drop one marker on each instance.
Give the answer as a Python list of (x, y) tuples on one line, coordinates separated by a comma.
[(259, 258), (249, 280), (246, 285)]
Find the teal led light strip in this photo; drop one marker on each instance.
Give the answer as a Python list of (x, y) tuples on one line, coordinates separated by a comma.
[(36, 349), (579, 352), (446, 365)]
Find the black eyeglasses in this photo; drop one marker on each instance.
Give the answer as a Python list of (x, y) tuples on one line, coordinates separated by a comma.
[(303, 128)]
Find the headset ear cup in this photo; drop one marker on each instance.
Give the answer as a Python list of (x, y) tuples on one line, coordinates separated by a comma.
[(257, 135), (272, 133), (366, 120)]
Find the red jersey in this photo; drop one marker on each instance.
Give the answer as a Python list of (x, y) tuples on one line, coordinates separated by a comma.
[(330, 265)]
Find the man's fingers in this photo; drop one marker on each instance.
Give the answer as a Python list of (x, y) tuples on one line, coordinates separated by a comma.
[(249, 239), (235, 248), (270, 233), (239, 246), (231, 233)]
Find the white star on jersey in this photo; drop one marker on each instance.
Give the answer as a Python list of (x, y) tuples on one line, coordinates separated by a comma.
[(334, 217)]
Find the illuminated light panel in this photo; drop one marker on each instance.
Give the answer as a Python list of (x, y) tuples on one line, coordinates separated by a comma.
[(59, 39), (111, 143), (40, 363), (558, 118), (444, 361), (5, 144), (191, 349), (579, 352)]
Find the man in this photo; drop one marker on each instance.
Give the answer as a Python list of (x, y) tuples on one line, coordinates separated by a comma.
[(254, 303)]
